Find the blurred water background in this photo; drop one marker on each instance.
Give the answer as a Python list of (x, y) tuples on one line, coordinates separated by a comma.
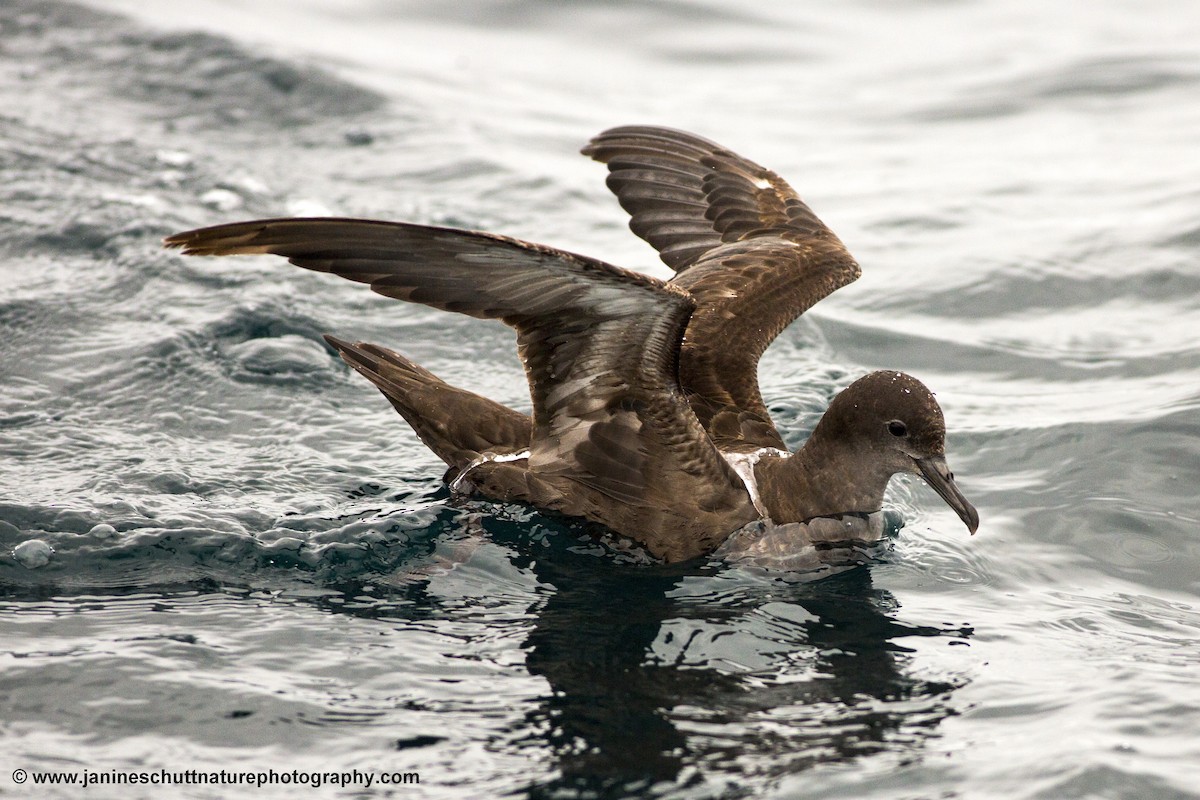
[(220, 548)]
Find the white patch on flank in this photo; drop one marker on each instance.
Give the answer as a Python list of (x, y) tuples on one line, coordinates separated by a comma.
[(484, 458), (743, 465), (763, 183)]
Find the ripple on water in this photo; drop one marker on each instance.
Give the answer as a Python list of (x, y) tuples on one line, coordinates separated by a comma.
[(189, 77), (218, 544), (363, 542), (285, 358)]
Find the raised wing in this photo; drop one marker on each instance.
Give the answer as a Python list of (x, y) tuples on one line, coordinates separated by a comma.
[(741, 241), (599, 344), (686, 195)]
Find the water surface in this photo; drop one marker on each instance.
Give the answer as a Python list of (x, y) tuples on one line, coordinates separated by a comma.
[(248, 561)]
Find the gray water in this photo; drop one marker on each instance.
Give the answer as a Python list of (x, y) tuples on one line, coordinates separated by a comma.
[(247, 561)]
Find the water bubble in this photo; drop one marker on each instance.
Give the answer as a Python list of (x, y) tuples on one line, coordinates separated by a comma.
[(103, 531), (221, 199), (247, 183), (173, 158), (33, 553), (305, 207)]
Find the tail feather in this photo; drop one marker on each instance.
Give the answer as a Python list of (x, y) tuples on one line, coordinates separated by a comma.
[(454, 423)]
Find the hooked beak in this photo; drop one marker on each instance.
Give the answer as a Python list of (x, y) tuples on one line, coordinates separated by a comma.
[(941, 480)]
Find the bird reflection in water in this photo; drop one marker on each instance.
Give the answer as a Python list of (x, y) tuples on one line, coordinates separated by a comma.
[(664, 676), (658, 675)]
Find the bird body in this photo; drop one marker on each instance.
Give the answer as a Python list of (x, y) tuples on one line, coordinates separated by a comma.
[(647, 417)]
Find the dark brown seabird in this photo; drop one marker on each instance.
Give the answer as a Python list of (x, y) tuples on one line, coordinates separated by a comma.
[(647, 416)]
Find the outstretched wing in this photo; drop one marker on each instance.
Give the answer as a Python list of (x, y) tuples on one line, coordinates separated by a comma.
[(687, 195), (743, 244), (600, 344)]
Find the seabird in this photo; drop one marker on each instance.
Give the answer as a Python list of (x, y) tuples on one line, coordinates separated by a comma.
[(647, 416)]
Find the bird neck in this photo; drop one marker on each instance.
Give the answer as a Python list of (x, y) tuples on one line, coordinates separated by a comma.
[(823, 478)]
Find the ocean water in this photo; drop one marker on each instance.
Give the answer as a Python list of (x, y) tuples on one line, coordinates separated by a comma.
[(220, 549)]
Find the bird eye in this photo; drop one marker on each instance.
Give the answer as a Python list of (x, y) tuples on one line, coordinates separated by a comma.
[(897, 428)]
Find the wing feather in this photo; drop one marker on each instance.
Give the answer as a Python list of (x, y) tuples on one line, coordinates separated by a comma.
[(743, 243), (600, 344)]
